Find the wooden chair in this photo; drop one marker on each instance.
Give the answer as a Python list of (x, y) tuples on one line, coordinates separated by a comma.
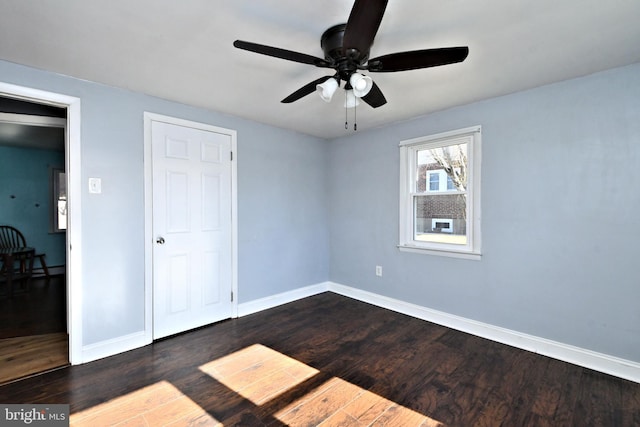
[(11, 237)]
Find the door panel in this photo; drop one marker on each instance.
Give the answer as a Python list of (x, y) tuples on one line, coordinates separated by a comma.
[(211, 274), (211, 192), (178, 283), (177, 197), (192, 257)]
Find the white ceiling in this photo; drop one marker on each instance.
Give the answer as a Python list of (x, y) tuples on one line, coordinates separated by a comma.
[(182, 50)]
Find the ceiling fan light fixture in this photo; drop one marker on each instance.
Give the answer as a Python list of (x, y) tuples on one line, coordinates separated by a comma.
[(361, 84), (346, 49), (327, 89), (351, 100)]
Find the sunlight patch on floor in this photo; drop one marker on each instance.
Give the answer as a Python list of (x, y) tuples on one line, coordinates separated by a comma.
[(258, 373), (261, 374), (338, 402), (158, 404)]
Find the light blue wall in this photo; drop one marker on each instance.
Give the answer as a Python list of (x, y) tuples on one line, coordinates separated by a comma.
[(282, 205), (25, 174), (560, 202), (282, 226)]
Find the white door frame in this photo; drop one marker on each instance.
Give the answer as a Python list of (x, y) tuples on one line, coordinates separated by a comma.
[(148, 214), (73, 167)]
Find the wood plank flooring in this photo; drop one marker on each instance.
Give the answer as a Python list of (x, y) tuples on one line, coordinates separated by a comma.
[(33, 329), (329, 360), (24, 356)]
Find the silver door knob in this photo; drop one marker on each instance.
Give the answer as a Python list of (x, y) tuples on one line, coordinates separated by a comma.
[(160, 240)]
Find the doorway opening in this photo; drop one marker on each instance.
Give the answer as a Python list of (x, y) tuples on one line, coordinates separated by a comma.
[(40, 316)]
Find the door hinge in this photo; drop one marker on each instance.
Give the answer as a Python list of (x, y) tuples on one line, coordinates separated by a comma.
[(231, 296)]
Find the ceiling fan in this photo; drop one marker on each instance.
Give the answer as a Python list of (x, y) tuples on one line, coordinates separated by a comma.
[(346, 50)]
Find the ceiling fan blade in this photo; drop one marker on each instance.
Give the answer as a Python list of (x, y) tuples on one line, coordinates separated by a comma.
[(305, 90), (374, 98), (281, 53), (363, 24), (417, 59)]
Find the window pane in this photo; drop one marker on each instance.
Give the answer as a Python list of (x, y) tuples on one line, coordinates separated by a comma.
[(58, 213), (441, 218), (450, 159), (62, 201), (434, 182), (62, 214), (450, 185)]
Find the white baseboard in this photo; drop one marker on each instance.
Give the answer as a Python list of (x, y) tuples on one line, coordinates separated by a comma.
[(140, 339), (117, 345), (611, 365), (279, 299)]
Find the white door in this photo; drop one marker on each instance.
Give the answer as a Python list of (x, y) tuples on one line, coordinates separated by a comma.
[(192, 250)]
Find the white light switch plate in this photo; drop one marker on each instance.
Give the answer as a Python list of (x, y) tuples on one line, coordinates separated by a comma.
[(95, 185)]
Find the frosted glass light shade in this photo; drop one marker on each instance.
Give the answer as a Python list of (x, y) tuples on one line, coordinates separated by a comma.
[(327, 89), (361, 84)]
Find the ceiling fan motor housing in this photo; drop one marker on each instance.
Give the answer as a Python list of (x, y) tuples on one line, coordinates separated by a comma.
[(346, 62)]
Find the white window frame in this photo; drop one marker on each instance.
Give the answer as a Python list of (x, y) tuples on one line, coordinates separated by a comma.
[(408, 160)]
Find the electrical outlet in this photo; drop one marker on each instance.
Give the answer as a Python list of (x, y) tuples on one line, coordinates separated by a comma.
[(379, 270)]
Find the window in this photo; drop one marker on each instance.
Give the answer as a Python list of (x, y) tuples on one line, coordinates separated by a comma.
[(440, 194), (58, 186), (439, 180)]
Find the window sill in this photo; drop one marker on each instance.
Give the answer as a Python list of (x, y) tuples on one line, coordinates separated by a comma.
[(439, 252)]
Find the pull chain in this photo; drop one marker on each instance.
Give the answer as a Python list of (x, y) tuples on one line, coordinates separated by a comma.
[(346, 114), (355, 118), (346, 122)]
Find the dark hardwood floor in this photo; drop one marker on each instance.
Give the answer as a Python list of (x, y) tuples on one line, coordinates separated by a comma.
[(42, 310), (452, 378)]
